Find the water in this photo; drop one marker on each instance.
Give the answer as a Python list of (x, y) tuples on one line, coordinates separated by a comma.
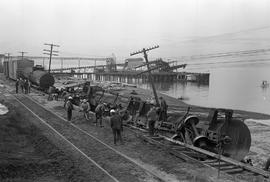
[(236, 87)]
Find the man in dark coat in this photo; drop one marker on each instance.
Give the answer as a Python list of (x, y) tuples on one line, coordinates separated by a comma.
[(267, 164), (21, 83), (152, 117), (17, 85), (116, 125), (163, 110), (69, 108), (26, 86), (99, 113)]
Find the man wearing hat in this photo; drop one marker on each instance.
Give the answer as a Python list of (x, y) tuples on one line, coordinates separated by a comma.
[(152, 117), (85, 108), (99, 113), (69, 108), (116, 125)]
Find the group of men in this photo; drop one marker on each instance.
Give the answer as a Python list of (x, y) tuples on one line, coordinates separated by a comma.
[(24, 85), (115, 118)]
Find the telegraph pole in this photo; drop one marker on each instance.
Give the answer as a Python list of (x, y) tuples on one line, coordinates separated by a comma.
[(144, 51), (8, 56), (51, 53), (22, 52)]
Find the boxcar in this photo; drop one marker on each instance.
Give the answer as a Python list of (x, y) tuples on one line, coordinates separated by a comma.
[(16, 67)]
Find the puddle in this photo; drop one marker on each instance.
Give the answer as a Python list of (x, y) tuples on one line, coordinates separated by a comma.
[(3, 109)]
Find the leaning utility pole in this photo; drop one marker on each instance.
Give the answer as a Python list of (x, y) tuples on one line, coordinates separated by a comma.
[(149, 71), (50, 53), (22, 52)]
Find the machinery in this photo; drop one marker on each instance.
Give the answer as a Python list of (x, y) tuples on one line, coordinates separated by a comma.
[(218, 133)]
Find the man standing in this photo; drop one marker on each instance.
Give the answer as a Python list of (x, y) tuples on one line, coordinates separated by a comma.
[(267, 164), (117, 126), (69, 108), (26, 86), (163, 110), (152, 116), (131, 108), (17, 85), (21, 83), (99, 113), (29, 85), (85, 108)]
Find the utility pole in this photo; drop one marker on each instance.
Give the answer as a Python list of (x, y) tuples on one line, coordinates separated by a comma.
[(22, 52), (51, 53), (144, 51), (8, 55)]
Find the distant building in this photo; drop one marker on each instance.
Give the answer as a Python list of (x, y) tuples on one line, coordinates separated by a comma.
[(131, 63)]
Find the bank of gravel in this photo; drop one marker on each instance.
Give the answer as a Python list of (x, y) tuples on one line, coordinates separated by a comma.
[(27, 155)]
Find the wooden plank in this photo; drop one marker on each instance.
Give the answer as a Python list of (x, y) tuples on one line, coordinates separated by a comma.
[(210, 161), (226, 159), (234, 171)]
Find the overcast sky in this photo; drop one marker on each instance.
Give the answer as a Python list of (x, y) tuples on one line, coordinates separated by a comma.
[(102, 27)]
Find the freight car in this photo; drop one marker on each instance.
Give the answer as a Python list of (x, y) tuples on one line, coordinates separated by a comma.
[(14, 68), (25, 69)]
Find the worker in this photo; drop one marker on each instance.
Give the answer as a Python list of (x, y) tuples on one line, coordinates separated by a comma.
[(163, 110), (50, 92), (29, 85), (132, 108), (69, 108), (26, 86), (267, 164), (17, 85), (99, 113), (85, 108), (152, 117), (116, 125), (21, 83)]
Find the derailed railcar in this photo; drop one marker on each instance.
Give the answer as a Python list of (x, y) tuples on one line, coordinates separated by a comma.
[(39, 77)]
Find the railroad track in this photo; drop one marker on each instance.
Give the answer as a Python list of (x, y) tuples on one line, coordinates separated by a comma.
[(102, 155), (181, 150), (194, 154)]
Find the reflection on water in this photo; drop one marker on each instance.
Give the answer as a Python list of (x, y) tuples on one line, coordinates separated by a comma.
[(235, 88)]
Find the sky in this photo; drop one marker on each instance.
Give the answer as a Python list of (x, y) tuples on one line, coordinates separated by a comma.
[(98, 28)]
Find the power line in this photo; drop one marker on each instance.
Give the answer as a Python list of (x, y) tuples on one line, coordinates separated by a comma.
[(51, 53)]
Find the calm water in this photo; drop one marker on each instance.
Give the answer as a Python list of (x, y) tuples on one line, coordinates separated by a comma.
[(233, 87)]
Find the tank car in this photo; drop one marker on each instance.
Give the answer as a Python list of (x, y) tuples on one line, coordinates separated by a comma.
[(39, 77)]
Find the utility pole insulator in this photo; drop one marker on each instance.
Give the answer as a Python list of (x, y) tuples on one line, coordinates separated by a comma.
[(22, 52)]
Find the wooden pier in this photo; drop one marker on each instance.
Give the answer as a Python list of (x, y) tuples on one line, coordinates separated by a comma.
[(129, 75)]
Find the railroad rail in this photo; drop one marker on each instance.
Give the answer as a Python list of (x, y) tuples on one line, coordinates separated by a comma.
[(181, 150), (132, 169)]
